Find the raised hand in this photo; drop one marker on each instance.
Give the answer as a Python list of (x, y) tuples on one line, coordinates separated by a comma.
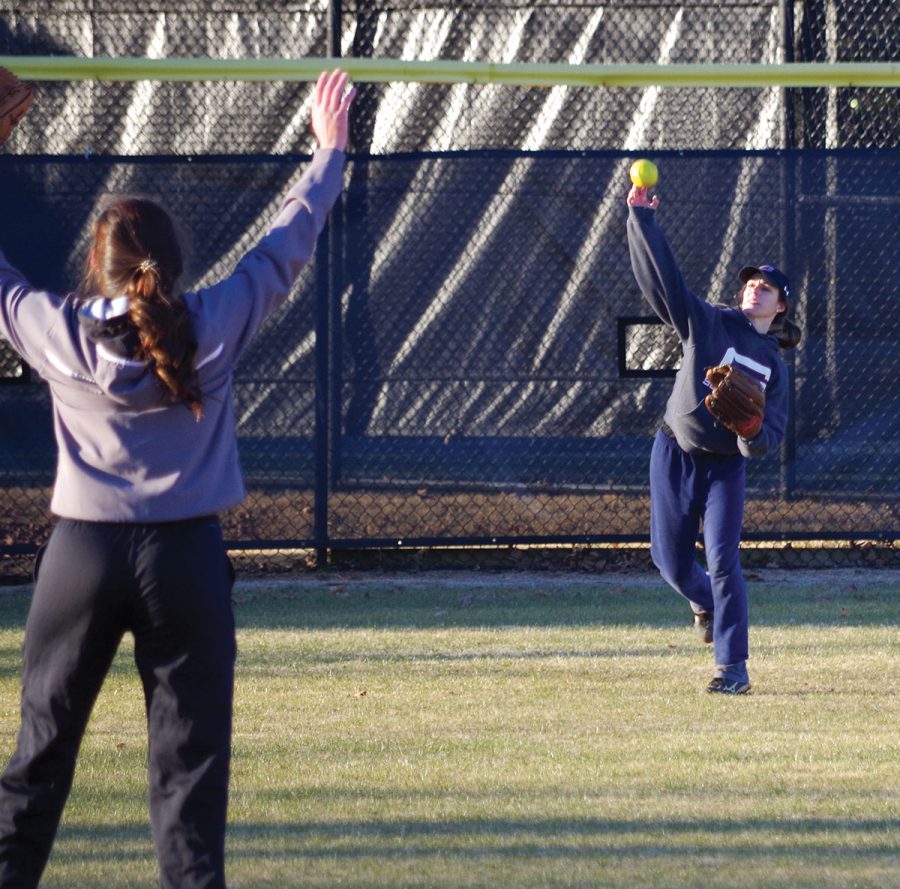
[(640, 197), (330, 109)]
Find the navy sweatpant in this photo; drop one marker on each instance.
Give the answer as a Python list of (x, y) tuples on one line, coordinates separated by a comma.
[(686, 489), (169, 584)]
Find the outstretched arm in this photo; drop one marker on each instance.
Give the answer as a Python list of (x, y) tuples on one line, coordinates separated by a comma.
[(655, 269), (265, 275)]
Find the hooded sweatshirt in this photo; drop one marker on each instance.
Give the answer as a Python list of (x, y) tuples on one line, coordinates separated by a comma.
[(710, 335), (126, 453)]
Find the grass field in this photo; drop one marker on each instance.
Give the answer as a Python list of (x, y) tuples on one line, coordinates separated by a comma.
[(522, 730)]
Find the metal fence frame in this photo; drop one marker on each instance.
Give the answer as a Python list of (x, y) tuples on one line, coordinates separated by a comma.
[(329, 286)]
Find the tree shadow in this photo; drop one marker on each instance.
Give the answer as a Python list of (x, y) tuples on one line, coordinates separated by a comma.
[(824, 840)]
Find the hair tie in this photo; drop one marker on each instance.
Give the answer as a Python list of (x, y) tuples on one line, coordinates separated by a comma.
[(148, 265)]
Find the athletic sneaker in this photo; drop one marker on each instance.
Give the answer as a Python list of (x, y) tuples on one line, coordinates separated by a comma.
[(703, 625), (730, 679), (729, 686)]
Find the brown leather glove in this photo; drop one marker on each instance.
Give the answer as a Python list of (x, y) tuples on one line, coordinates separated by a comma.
[(737, 401), (15, 100)]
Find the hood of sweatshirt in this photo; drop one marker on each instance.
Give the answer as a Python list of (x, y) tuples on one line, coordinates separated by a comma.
[(109, 342)]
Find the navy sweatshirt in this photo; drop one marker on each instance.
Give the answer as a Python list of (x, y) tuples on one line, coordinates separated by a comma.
[(710, 335)]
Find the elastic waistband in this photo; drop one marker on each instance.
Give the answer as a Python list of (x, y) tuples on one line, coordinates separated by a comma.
[(212, 518), (706, 456)]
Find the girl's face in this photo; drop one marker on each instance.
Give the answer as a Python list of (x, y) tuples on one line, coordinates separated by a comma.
[(760, 299)]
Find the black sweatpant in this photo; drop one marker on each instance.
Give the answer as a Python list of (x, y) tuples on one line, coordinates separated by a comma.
[(169, 584)]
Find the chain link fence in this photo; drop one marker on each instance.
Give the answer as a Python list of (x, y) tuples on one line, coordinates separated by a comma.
[(469, 360)]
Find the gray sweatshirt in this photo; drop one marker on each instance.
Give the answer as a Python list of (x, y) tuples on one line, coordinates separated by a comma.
[(126, 453), (710, 335)]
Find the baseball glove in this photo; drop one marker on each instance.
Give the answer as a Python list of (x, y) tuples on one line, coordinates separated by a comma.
[(15, 100), (737, 401)]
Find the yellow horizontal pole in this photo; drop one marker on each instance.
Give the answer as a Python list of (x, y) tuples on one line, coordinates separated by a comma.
[(793, 74)]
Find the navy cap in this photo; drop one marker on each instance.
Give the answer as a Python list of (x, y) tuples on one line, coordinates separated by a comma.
[(774, 276)]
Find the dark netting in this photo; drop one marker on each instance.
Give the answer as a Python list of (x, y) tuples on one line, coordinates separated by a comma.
[(485, 368), (513, 377)]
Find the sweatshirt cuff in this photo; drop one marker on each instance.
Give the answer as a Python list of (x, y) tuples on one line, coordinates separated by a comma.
[(643, 212), (326, 154)]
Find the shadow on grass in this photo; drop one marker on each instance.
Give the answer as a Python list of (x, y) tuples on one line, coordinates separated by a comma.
[(823, 839), (510, 602), (627, 606)]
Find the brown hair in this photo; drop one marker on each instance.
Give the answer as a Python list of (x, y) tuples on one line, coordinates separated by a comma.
[(135, 252), (788, 333)]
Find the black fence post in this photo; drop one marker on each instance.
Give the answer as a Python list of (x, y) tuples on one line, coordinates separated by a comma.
[(334, 28), (322, 423), (789, 182), (328, 252)]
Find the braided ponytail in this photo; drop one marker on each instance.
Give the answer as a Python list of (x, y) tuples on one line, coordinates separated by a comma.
[(135, 252)]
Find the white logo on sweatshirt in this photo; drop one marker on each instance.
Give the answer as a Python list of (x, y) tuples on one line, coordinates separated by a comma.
[(760, 372)]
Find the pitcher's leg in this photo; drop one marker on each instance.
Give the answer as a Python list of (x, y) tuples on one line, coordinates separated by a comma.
[(722, 537), (185, 650), (71, 635), (675, 511)]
